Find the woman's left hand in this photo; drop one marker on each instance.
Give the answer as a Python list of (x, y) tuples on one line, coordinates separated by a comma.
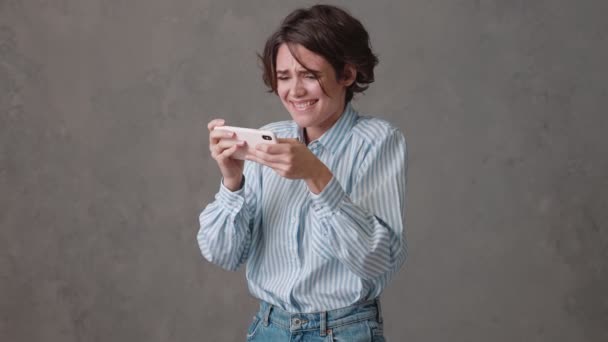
[(292, 159)]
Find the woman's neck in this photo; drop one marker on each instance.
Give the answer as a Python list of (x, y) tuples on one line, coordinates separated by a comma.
[(314, 133)]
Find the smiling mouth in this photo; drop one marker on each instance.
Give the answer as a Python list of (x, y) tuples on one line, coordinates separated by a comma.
[(303, 105)]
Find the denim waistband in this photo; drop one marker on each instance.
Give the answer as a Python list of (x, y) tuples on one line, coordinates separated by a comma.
[(323, 320)]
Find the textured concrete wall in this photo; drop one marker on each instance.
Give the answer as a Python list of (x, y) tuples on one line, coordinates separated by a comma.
[(104, 165)]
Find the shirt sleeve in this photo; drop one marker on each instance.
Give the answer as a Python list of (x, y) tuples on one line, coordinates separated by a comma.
[(365, 230), (227, 223)]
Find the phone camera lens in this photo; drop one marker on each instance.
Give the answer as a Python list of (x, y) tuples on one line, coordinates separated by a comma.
[(266, 137)]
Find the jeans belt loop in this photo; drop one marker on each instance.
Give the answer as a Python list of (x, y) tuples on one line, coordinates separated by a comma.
[(267, 315), (379, 309), (323, 323)]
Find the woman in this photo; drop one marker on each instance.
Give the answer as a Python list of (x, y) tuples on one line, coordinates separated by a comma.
[(318, 217)]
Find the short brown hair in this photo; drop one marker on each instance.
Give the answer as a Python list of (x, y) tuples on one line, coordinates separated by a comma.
[(327, 31)]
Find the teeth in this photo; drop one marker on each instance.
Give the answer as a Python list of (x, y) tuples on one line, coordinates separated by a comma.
[(304, 105)]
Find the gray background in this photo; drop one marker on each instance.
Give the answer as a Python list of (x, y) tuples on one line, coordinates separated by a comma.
[(104, 165)]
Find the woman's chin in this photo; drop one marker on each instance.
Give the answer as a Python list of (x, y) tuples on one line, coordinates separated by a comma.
[(302, 119), (302, 122)]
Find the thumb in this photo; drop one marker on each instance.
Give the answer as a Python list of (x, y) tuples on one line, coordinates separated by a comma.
[(288, 141)]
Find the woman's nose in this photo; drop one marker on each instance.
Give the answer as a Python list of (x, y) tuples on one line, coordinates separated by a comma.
[(298, 89)]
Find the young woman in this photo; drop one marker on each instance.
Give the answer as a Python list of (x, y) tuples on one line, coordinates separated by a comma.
[(319, 217)]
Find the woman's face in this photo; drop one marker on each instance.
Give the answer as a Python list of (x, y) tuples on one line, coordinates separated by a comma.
[(301, 93)]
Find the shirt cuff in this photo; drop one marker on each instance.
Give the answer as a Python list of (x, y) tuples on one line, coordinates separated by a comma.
[(327, 202), (231, 200)]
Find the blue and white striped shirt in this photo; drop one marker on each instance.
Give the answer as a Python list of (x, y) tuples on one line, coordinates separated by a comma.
[(307, 252)]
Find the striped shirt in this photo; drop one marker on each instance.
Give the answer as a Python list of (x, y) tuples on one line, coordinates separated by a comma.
[(309, 252)]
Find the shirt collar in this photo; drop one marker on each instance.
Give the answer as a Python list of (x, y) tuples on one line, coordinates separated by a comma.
[(335, 136)]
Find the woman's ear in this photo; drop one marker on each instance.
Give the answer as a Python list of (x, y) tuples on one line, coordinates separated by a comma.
[(349, 75)]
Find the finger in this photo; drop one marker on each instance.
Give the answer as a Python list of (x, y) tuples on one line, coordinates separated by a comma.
[(280, 169), (216, 135), (273, 148), (214, 123), (226, 144), (289, 141), (227, 153), (254, 158), (271, 158), (223, 145)]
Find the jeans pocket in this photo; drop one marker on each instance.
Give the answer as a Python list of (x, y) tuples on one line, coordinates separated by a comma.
[(353, 332), (253, 327), (376, 330)]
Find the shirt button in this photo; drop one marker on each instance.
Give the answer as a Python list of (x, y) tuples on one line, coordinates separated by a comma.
[(293, 220)]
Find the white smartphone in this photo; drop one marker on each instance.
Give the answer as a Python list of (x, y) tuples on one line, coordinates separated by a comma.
[(251, 136)]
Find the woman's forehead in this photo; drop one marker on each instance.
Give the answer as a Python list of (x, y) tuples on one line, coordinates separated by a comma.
[(287, 60)]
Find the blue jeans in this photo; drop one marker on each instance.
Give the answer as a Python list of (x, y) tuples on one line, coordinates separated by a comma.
[(357, 323)]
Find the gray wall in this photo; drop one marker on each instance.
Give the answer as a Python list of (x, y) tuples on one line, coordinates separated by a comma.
[(104, 165)]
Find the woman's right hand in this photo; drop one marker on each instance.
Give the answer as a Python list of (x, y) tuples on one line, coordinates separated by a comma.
[(222, 150)]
